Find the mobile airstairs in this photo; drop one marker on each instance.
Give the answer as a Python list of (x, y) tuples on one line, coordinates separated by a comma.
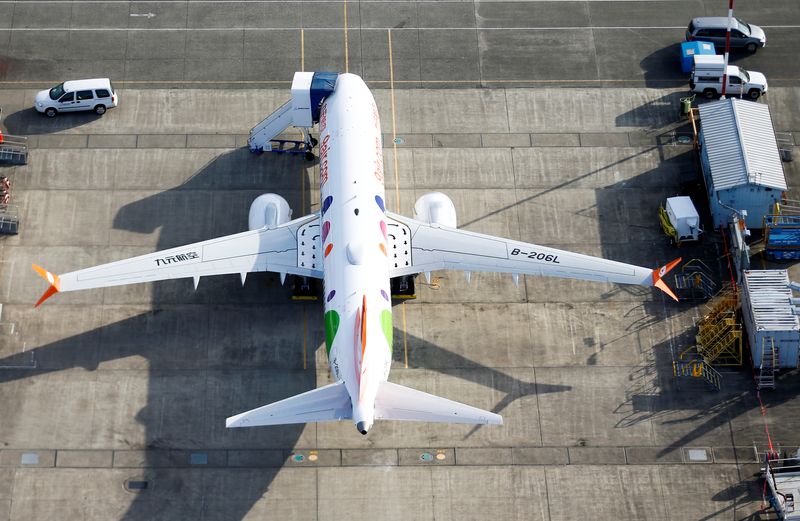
[(309, 90)]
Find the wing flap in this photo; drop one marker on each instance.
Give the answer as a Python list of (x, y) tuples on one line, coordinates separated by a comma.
[(396, 402), (329, 403)]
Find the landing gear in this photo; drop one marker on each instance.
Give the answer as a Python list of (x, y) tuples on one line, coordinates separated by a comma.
[(305, 288), (402, 288)]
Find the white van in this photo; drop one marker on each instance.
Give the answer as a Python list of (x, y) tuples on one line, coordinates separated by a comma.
[(707, 78), (77, 95)]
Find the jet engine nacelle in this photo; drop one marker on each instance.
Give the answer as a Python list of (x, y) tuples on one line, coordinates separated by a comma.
[(435, 208), (269, 210)]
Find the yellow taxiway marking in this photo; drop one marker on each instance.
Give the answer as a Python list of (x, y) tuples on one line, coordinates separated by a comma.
[(396, 181), (305, 337)]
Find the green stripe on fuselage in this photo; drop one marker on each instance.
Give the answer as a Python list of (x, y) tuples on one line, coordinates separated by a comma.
[(331, 326), (386, 324)]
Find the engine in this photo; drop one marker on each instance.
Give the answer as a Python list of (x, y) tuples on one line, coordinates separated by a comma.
[(269, 210), (435, 208)]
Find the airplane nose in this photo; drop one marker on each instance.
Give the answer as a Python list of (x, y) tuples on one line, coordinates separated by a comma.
[(362, 427)]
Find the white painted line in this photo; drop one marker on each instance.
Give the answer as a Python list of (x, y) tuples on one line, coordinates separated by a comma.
[(487, 2), (206, 29)]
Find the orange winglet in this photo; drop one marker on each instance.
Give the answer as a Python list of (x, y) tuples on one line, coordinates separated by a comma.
[(53, 280), (659, 274)]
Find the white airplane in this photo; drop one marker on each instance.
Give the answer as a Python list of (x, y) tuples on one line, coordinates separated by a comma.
[(356, 246)]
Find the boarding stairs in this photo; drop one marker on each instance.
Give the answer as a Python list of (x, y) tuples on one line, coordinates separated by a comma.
[(765, 379), (689, 365), (695, 281), (309, 90), (719, 332), (13, 150)]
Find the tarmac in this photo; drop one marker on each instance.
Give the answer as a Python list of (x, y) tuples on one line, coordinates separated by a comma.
[(112, 402)]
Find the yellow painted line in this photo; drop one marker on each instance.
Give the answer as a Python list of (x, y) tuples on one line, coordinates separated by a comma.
[(346, 50), (396, 180), (305, 336)]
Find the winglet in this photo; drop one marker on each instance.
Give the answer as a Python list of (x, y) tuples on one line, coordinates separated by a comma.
[(53, 280), (659, 274)]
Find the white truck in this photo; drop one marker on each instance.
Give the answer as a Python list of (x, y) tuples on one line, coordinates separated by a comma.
[(707, 78)]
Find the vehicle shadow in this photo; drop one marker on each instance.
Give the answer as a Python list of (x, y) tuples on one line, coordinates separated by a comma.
[(662, 68), (28, 122)]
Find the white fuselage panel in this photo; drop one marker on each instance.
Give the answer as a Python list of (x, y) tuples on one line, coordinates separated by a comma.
[(357, 296)]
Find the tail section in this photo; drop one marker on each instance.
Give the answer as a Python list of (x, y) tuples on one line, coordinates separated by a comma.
[(53, 280), (396, 402), (329, 403), (658, 278)]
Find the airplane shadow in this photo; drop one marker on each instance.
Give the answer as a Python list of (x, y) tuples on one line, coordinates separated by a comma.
[(211, 353)]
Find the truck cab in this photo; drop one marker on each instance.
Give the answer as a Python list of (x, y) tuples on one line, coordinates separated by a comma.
[(707, 75)]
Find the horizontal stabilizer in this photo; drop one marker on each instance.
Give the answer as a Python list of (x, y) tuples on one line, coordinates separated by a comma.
[(396, 402), (329, 403)]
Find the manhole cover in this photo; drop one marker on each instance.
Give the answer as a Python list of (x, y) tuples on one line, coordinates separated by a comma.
[(426, 456), (684, 140), (399, 141)]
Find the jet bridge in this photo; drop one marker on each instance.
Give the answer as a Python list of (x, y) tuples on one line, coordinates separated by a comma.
[(309, 90)]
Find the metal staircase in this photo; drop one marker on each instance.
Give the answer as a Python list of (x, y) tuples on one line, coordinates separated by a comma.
[(695, 281), (719, 334), (765, 379), (14, 150), (9, 219), (697, 368)]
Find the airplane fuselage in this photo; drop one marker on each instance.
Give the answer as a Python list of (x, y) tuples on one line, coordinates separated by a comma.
[(357, 298)]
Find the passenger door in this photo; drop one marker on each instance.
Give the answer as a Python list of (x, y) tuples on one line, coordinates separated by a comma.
[(84, 100), (67, 103), (734, 85)]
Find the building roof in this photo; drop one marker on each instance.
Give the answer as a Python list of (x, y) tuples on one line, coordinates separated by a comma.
[(769, 295), (740, 144)]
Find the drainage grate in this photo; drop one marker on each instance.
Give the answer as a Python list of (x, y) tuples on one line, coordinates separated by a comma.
[(30, 458), (136, 485), (198, 458), (697, 455)]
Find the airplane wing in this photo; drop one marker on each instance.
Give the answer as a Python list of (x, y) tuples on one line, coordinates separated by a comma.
[(293, 247), (419, 247)]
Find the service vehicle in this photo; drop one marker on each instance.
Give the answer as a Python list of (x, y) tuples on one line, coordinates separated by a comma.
[(77, 95), (706, 78)]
